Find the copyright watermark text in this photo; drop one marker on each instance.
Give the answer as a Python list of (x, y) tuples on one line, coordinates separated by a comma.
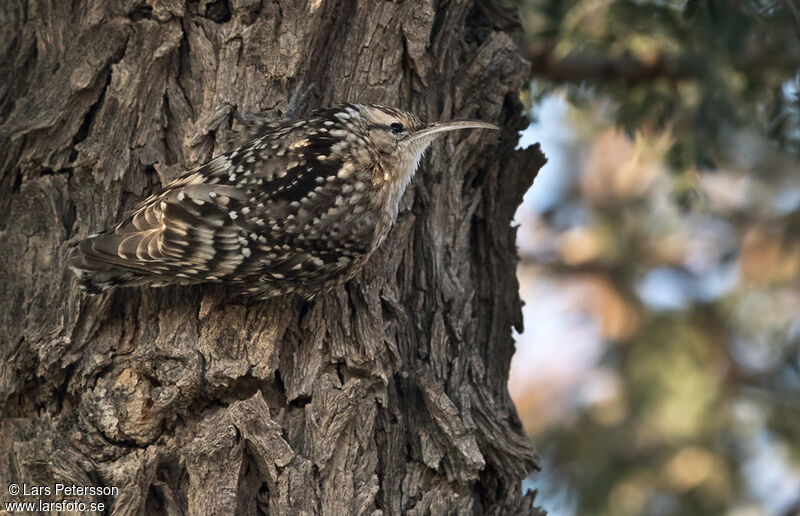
[(57, 497)]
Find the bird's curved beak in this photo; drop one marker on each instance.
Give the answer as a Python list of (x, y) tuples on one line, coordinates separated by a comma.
[(429, 131)]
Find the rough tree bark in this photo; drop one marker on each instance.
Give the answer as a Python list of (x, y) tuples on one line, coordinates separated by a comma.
[(386, 396)]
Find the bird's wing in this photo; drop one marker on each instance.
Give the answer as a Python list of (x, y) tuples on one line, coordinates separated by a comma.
[(185, 231), (206, 225)]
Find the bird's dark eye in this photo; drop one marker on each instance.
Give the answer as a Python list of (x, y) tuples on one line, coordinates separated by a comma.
[(397, 127)]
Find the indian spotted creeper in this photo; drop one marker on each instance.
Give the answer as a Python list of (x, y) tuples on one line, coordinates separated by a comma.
[(298, 209)]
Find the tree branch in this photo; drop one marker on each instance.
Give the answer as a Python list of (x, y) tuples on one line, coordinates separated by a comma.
[(576, 68), (580, 68)]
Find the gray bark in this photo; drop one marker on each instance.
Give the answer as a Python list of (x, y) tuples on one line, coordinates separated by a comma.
[(385, 396)]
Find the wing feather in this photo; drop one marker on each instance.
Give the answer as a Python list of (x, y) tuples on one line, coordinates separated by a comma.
[(184, 228), (239, 216)]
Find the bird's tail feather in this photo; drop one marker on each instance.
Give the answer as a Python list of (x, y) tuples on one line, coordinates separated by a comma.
[(95, 274)]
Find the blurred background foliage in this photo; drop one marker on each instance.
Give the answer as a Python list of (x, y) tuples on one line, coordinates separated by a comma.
[(659, 371)]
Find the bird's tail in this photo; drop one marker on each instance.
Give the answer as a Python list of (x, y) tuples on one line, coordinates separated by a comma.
[(94, 273)]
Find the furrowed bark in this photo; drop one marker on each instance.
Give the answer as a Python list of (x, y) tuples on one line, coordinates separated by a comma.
[(387, 395)]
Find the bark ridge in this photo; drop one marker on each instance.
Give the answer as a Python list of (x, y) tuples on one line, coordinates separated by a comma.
[(386, 396)]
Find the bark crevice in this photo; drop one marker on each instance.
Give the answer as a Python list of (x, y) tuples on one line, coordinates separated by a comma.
[(387, 395)]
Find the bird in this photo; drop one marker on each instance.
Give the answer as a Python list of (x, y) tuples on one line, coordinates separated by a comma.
[(298, 209)]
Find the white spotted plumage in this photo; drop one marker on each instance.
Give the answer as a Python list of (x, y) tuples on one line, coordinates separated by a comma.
[(298, 209)]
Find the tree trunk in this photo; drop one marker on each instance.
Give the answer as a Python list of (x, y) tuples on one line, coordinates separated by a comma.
[(385, 396)]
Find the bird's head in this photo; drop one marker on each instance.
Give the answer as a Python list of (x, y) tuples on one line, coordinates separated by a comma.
[(389, 139), (399, 139)]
